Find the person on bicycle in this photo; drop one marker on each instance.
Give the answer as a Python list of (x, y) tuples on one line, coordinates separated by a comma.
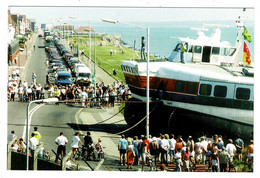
[(88, 143), (61, 141)]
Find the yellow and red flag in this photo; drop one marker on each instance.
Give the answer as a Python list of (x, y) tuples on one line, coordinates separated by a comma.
[(246, 55)]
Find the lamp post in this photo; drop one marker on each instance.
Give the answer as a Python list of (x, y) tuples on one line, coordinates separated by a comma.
[(90, 44), (27, 124), (94, 58), (72, 28), (147, 68)]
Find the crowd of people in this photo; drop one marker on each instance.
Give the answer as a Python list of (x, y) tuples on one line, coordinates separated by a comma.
[(23, 91), (186, 155), (164, 149), (105, 95)]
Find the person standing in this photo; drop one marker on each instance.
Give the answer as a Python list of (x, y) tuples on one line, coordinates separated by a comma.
[(143, 49), (122, 145), (61, 141), (250, 151), (33, 142), (215, 160), (231, 149), (183, 50), (172, 147), (130, 155), (37, 135), (204, 145), (135, 143), (178, 159), (164, 150), (198, 151), (34, 76), (154, 149), (239, 143), (11, 135), (186, 159), (223, 160)]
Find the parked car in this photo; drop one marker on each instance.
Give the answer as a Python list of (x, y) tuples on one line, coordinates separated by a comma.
[(64, 78)]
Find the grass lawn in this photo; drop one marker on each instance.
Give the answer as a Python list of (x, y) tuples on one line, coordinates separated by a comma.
[(103, 57)]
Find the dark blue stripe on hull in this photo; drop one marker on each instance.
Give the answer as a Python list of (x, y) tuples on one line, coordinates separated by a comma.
[(193, 99)]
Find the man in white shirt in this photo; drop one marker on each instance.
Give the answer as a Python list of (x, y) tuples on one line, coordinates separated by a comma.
[(61, 141), (33, 144), (204, 145), (230, 148), (164, 150)]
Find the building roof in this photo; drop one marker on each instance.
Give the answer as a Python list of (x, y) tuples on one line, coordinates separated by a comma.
[(83, 29)]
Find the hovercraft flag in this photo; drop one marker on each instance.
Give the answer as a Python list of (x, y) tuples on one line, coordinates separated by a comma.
[(246, 55), (247, 35)]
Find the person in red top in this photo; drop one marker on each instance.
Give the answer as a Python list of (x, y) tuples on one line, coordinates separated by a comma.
[(186, 159), (179, 144), (145, 140)]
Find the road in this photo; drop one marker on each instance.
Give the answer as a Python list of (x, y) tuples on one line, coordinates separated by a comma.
[(52, 119)]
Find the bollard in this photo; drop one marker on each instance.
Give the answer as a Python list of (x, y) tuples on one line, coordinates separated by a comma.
[(64, 160), (35, 156), (9, 153)]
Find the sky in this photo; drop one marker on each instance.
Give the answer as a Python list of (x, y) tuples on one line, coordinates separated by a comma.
[(130, 14)]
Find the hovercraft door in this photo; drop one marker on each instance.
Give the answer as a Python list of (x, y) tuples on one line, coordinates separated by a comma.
[(206, 54)]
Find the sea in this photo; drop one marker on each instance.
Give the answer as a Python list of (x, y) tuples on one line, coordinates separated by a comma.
[(163, 34)]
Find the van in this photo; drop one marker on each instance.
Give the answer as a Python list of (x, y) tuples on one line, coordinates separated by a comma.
[(73, 71), (83, 76), (64, 78)]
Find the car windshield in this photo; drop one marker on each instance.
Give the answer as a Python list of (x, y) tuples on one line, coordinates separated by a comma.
[(84, 74), (64, 78)]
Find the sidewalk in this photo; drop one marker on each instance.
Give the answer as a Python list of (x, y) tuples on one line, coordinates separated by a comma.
[(23, 58)]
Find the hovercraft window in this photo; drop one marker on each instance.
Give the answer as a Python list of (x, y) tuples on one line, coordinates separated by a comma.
[(197, 49), (205, 89), (220, 91), (178, 47), (243, 93), (232, 51), (179, 86), (215, 50), (224, 51), (191, 87)]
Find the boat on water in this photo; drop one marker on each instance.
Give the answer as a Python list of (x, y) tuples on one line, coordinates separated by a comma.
[(211, 92)]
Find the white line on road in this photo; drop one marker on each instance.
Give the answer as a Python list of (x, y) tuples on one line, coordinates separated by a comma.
[(30, 116)]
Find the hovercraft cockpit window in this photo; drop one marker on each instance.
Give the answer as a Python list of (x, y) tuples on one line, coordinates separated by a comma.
[(197, 49), (178, 47)]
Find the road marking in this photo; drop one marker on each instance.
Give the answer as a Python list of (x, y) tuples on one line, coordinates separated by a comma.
[(99, 164), (77, 118), (30, 118)]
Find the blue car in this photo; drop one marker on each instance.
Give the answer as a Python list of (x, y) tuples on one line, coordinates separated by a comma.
[(64, 78)]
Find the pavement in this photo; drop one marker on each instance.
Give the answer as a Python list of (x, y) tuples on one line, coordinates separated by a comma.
[(23, 58)]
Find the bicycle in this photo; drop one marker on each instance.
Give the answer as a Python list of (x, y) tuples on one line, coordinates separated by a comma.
[(232, 167), (249, 166)]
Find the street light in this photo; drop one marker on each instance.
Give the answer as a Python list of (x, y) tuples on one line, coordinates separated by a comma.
[(94, 57), (147, 67), (48, 100)]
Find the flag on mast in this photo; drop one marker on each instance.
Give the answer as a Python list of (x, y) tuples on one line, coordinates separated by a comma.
[(247, 35), (246, 55)]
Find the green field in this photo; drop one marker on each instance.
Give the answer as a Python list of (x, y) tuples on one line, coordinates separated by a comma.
[(103, 57)]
